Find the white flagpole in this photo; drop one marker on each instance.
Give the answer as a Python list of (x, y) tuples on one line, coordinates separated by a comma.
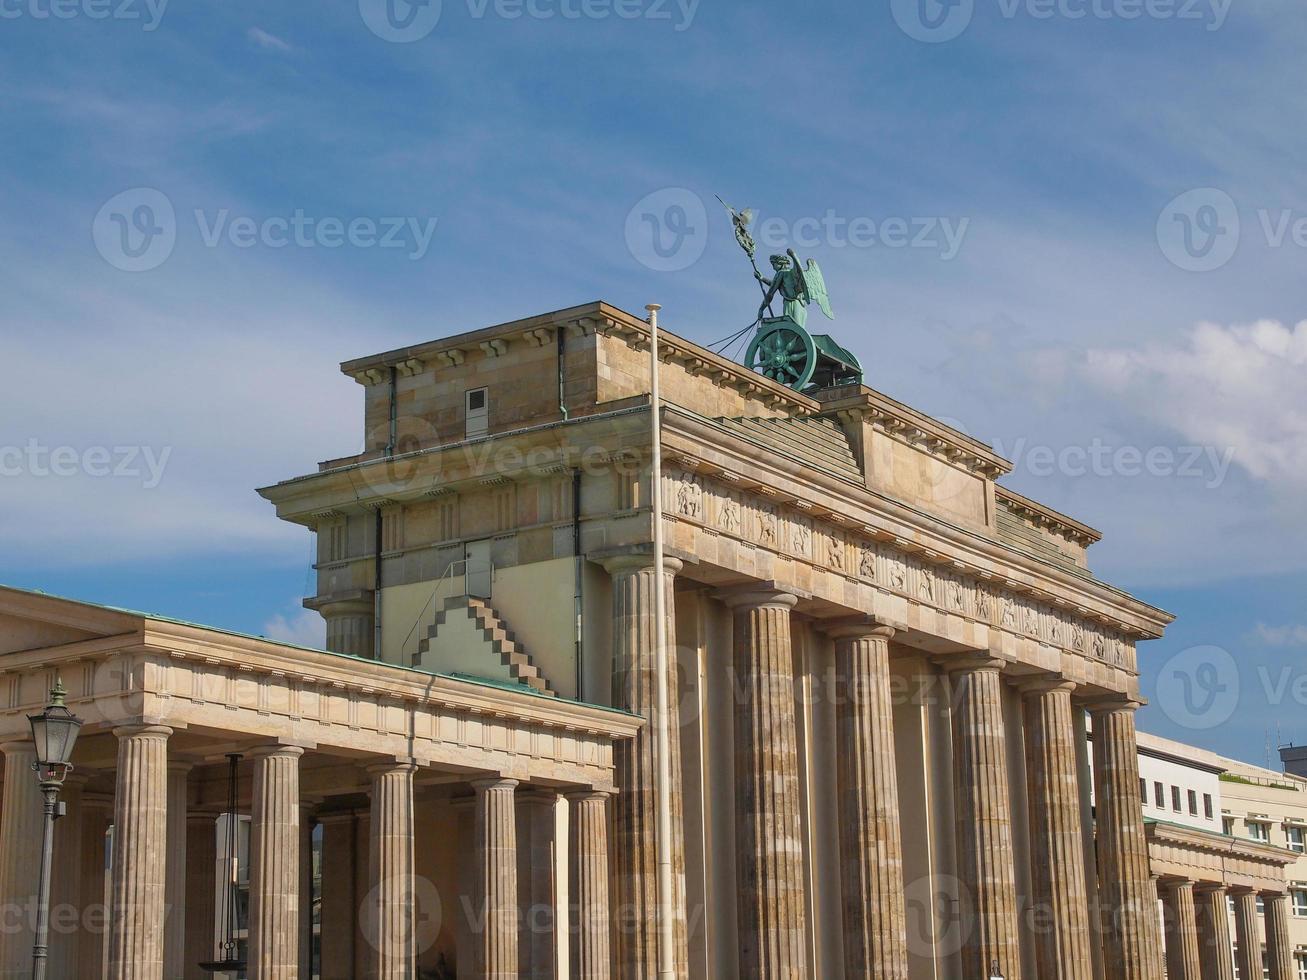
[(662, 738)]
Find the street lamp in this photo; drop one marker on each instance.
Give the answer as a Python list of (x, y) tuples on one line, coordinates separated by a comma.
[(55, 731)]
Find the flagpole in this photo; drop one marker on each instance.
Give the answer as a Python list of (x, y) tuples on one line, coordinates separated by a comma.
[(662, 738)]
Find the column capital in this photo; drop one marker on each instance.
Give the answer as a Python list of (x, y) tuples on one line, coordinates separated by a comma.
[(1112, 704), (587, 795), (275, 751), (1175, 884), (14, 746), (1036, 686), (1208, 887), (757, 595), (493, 782), (132, 731), (1271, 895), (381, 768), (537, 794), (630, 562), (183, 766), (855, 628), (967, 662)]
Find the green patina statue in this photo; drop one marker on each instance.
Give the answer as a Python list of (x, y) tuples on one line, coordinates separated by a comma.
[(782, 348)]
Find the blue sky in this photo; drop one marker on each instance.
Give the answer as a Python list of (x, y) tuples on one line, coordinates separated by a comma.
[(518, 147)]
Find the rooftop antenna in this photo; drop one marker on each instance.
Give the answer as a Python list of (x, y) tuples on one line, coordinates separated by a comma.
[(662, 742)]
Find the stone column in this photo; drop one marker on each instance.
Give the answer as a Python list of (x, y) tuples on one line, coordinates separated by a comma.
[(174, 940), (1129, 914), (635, 816), (983, 816), (588, 885), (140, 830), (1248, 952), (1057, 856), (536, 883), (1214, 949), (93, 951), (770, 892), (1182, 961), (390, 898), (1279, 945), (338, 898), (202, 891), (308, 808), (871, 846), (275, 863), (20, 858), (66, 886), (495, 898)]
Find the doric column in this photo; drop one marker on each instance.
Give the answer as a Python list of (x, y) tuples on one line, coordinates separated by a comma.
[(275, 863), (1129, 914), (1057, 856), (983, 815), (1279, 946), (770, 893), (588, 885), (201, 902), (308, 809), (495, 899), (1248, 951), (635, 815), (140, 828), (20, 858), (66, 888), (391, 864), (1214, 949), (174, 939), (338, 899), (871, 847), (93, 946), (1182, 961), (537, 820)]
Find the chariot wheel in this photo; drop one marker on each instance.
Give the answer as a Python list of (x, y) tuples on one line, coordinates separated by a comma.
[(784, 352)]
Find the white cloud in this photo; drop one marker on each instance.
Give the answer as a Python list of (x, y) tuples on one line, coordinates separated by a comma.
[(269, 42), (1283, 636), (1237, 387), (303, 627)]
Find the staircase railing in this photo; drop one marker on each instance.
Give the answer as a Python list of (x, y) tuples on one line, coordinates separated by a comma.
[(447, 576)]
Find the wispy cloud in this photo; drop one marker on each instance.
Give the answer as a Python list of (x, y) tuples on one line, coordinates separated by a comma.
[(1293, 635), (302, 626), (269, 42)]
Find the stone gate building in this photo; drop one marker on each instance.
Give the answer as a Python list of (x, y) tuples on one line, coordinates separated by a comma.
[(887, 667)]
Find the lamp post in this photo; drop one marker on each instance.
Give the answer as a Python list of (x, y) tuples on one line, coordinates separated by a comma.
[(54, 730)]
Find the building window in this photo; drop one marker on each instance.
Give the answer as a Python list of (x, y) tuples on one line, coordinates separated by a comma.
[(1175, 798), (1297, 842), (1143, 790), (1300, 961), (1193, 803), (1259, 831), (1227, 826), (1159, 796), (1207, 806), (1298, 897), (477, 414)]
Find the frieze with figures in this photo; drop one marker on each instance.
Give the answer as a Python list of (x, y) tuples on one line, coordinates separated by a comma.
[(788, 530)]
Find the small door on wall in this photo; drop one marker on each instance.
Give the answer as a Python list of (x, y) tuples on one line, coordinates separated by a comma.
[(477, 556)]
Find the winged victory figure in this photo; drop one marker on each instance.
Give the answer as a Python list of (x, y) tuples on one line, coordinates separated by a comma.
[(798, 287)]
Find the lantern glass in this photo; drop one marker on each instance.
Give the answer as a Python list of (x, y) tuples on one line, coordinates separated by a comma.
[(55, 731)]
